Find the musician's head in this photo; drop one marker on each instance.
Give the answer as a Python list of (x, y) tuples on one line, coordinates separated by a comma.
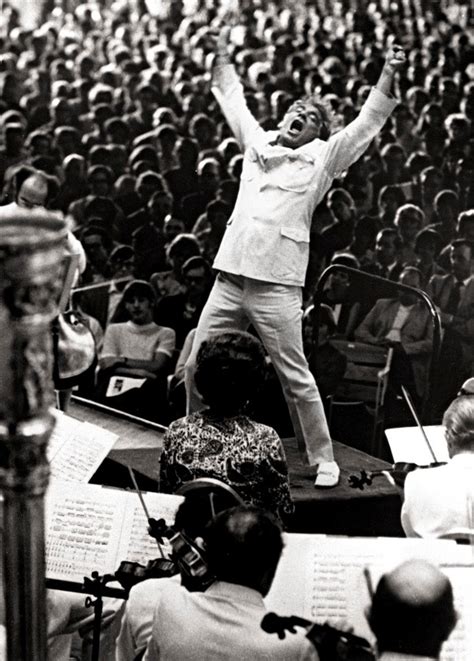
[(304, 121), (412, 610), (198, 509), (458, 422), (244, 545), (230, 367)]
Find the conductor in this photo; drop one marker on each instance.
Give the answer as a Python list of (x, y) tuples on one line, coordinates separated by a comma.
[(264, 254)]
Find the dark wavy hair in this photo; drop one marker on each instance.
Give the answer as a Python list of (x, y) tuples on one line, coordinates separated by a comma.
[(230, 369)]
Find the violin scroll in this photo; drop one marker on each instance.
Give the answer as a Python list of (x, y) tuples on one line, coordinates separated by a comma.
[(398, 472)]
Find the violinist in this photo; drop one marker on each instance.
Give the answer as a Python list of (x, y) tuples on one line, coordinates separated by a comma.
[(144, 599), (439, 501), (243, 547)]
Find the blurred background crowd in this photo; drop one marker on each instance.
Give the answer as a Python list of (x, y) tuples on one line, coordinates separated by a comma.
[(113, 103)]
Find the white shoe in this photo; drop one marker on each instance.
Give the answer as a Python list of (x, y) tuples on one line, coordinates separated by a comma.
[(327, 474)]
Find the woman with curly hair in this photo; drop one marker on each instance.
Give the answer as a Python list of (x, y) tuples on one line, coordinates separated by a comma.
[(222, 441)]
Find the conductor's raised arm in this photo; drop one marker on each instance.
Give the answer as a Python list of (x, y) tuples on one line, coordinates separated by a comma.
[(346, 146), (229, 93)]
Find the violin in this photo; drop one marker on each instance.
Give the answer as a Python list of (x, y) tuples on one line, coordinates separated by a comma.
[(130, 573), (330, 643), (189, 558), (398, 472), (186, 557)]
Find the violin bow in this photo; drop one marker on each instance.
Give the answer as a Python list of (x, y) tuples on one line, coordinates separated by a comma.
[(409, 402), (145, 509)]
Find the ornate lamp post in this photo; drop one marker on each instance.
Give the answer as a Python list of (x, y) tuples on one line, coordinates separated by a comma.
[(31, 250)]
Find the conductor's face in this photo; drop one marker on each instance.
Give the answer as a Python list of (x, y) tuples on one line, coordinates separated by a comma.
[(301, 124)]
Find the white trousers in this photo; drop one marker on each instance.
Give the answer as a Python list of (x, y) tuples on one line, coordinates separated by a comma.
[(275, 311)]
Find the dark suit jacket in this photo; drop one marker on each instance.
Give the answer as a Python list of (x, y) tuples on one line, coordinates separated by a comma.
[(439, 288)]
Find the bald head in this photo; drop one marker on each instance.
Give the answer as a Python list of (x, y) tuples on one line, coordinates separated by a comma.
[(412, 609), (417, 583), (33, 192)]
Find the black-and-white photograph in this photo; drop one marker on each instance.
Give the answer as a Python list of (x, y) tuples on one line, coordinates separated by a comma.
[(237, 330)]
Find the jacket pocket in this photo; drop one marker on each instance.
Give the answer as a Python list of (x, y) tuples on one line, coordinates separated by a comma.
[(291, 255), (296, 179)]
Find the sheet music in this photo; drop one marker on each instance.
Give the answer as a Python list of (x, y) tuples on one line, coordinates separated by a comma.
[(337, 562), (408, 445), (460, 644), (319, 575), (137, 545), (76, 449), (83, 528), (91, 528), (286, 596)]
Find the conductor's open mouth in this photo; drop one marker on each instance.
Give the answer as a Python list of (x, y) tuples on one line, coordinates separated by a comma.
[(296, 125)]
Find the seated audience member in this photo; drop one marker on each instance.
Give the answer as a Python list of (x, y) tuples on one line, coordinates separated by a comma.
[(181, 248), (439, 501), (97, 245), (412, 612), (243, 547), (453, 293), (465, 230), (34, 190), (194, 513), (221, 441), (363, 245), (446, 211), (340, 232), (181, 312), (326, 363), (389, 200), (387, 247), (404, 323), (427, 247), (340, 296), (409, 220), (148, 239), (138, 349), (214, 223), (172, 227)]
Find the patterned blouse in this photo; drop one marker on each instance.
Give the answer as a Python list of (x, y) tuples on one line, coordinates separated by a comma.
[(246, 455)]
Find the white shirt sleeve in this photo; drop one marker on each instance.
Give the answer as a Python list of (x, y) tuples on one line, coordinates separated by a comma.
[(111, 344), (166, 342), (346, 146), (229, 93)]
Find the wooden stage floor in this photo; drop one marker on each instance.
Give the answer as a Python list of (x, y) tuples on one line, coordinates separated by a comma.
[(375, 511)]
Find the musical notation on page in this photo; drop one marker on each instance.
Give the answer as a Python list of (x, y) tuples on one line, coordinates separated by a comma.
[(76, 449), (92, 528)]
